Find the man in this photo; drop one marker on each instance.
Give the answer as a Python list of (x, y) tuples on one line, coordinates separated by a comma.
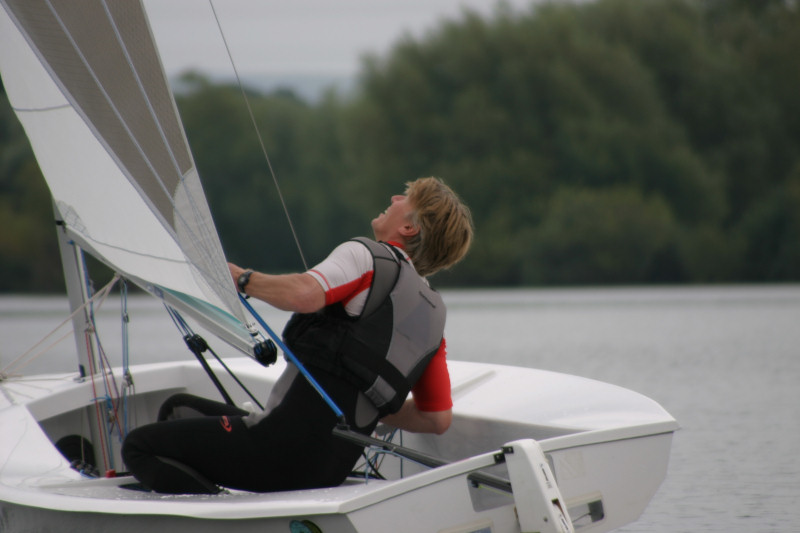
[(368, 327)]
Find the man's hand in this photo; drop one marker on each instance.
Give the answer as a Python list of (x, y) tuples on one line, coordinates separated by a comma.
[(236, 271)]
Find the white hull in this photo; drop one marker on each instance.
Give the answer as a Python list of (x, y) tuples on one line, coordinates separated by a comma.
[(608, 448)]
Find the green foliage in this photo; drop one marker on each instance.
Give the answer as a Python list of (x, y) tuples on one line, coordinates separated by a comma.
[(29, 257), (664, 97), (612, 235), (771, 231), (616, 141)]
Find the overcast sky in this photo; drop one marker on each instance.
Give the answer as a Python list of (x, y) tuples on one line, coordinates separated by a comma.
[(293, 37)]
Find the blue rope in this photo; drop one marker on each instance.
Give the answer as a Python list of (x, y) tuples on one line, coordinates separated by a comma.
[(296, 362)]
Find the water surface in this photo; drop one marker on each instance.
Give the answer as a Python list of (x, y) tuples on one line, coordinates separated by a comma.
[(725, 361)]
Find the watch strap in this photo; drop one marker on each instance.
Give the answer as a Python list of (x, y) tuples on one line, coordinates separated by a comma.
[(243, 280)]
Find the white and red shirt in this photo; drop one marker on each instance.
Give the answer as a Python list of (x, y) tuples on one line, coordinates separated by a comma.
[(345, 276)]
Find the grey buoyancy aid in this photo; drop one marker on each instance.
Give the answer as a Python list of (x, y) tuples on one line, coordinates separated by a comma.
[(385, 350)]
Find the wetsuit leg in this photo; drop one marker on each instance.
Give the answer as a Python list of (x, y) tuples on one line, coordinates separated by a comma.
[(184, 405), (291, 448), (190, 455)]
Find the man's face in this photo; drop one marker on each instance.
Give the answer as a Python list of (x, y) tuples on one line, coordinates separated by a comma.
[(394, 224)]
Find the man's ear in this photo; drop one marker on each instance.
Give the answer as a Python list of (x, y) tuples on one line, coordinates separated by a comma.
[(409, 230)]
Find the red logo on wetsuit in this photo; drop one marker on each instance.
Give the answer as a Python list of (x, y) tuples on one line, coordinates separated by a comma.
[(226, 424)]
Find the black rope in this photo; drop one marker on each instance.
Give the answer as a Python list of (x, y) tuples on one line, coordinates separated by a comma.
[(197, 345), (235, 378)]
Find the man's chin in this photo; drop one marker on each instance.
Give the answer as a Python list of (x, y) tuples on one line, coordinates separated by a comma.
[(375, 230)]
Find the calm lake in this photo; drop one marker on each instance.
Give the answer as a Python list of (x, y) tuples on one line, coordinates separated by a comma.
[(725, 361)]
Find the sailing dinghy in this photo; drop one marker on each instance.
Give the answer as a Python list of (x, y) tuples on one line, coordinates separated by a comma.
[(528, 450)]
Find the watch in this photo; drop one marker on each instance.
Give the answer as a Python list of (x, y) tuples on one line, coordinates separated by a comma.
[(243, 280)]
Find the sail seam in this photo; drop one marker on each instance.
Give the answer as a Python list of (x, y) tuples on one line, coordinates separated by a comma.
[(134, 252), (41, 109)]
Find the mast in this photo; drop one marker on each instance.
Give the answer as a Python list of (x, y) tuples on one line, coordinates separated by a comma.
[(75, 276)]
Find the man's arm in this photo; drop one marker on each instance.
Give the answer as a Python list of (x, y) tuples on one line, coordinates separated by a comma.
[(410, 418), (299, 293)]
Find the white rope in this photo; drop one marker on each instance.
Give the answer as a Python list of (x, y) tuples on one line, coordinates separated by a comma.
[(31, 355), (258, 134)]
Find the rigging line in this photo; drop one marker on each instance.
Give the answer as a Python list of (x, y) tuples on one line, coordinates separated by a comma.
[(187, 332), (100, 426), (126, 372), (98, 296), (197, 345), (112, 390), (98, 362), (235, 378), (258, 134), (125, 320)]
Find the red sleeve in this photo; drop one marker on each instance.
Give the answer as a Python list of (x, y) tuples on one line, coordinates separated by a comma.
[(432, 391)]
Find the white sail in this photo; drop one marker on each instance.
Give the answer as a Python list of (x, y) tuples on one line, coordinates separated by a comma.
[(87, 84)]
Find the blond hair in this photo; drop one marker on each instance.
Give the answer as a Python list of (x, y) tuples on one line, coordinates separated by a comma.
[(444, 222)]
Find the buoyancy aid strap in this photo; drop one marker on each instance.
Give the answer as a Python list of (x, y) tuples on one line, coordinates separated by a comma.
[(385, 271), (362, 362)]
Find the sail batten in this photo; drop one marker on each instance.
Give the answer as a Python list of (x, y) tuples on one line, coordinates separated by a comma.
[(86, 81)]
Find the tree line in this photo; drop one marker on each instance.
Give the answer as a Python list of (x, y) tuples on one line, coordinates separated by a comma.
[(618, 141)]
